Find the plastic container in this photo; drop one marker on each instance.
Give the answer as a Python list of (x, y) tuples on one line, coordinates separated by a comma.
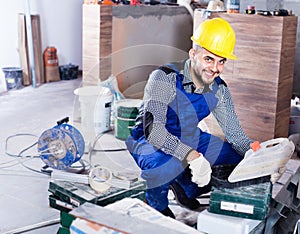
[(212, 223), (95, 110), (269, 158), (13, 77), (126, 111), (233, 6)]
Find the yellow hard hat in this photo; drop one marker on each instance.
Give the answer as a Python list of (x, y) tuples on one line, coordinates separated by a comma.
[(217, 36)]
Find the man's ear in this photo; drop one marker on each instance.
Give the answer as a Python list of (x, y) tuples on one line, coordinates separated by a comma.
[(192, 54)]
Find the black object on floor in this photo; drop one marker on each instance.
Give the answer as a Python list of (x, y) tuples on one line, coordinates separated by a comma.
[(168, 212), (182, 199)]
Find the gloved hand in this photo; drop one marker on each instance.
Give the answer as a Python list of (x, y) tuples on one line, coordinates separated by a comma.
[(276, 176), (201, 171)]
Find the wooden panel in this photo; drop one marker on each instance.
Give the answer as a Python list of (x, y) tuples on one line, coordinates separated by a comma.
[(105, 41), (90, 44), (23, 49), (37, 48), (261, 80)]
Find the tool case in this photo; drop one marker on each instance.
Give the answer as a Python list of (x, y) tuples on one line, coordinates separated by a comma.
[(246, 199), (67, 195), (220, 174)]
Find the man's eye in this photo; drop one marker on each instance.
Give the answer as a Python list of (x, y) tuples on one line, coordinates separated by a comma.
[(207, 59)]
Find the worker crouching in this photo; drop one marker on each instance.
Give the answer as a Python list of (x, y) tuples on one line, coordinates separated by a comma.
[(166, 142)]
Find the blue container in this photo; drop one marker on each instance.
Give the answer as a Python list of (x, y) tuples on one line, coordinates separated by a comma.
[(13, 77)]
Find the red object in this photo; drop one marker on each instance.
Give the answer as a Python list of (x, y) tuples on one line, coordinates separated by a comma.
[(134, 2), (107, 2), (50, 57), (255, 146)]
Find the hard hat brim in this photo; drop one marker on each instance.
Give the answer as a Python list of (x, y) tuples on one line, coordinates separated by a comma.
[(221, 54)]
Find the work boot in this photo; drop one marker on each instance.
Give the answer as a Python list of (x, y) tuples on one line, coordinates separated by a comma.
[(182, 199), (168, 212), (165, 212)]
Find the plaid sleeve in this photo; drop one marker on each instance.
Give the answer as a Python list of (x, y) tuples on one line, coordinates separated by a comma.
[(228, 121), (160, 90)]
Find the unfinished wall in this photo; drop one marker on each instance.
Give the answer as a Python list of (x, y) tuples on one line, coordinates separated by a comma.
[(129, 42)]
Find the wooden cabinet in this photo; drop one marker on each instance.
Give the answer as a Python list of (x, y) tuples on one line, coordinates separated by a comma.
[(261, 80), (130, 41)]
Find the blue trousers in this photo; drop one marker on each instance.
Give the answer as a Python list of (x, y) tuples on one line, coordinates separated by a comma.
[(160, 169)]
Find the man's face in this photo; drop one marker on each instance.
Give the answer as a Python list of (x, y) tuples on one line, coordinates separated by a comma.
[(205, 66)]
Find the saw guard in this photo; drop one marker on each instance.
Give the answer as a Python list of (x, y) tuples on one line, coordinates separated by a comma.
[(271, 156)]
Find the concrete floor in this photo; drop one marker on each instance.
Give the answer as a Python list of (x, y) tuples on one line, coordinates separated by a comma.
[(25, 114)]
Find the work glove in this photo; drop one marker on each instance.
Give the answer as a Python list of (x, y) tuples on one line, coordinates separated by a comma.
[(276, 176), (201, 171)]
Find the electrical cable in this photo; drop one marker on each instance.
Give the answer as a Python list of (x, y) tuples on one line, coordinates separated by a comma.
[(17, 135), (20, 156), (92, 149), (8, 166), (109, 150), (85, 164), (93, 146), (34, 226), (24, 150)]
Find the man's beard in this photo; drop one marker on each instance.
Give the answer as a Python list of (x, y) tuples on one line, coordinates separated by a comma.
[(200, 80)]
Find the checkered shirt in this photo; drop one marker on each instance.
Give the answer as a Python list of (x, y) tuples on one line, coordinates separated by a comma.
[(160, 91)]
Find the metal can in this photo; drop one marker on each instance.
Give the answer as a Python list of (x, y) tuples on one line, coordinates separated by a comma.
[(50, 57)]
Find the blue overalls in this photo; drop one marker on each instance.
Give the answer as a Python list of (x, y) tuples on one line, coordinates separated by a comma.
[(160, 169)]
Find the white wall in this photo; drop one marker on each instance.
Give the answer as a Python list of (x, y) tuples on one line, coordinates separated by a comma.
[(61, 26)]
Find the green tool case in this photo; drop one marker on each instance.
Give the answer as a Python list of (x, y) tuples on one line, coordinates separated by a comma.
[(251, 200)]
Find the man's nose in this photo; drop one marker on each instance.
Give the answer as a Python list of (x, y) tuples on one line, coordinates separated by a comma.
[(214, 66)]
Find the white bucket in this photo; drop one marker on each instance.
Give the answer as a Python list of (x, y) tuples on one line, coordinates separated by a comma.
[(95, 110)]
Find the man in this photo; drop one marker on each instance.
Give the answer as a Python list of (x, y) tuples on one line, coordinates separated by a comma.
[(166, 142)]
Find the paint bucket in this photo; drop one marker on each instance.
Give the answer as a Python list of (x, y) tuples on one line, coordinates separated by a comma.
[(126, 111), (13, 77), (95, 109)]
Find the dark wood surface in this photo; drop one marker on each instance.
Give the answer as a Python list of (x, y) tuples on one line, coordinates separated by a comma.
[(261, 80)]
